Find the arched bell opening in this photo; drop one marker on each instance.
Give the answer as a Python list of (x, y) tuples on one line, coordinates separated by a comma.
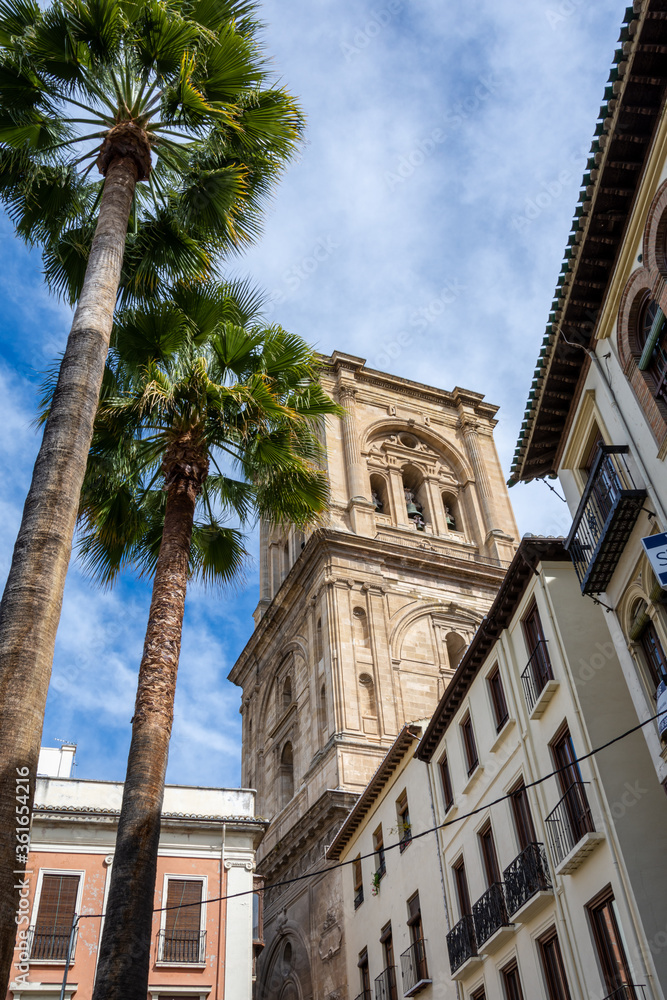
[(452, 512), (414, 493), (380, 495)]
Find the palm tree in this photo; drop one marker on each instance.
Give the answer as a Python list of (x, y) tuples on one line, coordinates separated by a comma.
[(171, 101), (204, 415)]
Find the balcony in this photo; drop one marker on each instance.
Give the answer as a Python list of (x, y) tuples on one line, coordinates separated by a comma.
[(538, 680), (414, 969), (462, 946), (385, 984), (51, 945), (489, 913), (571, 830), (182, 947), (606, 515), (628, 991), (527, 883)]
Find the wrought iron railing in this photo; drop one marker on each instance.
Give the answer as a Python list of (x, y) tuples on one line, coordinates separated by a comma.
[(182, 947), (490, 913), (527, 875), (606, 515), (537, 674), (405, 840), (382, 867), (385, 984), (628, 991), (51, 945), (461, 942), (569, 821), (414, 968), (359, 897), (364, 995)]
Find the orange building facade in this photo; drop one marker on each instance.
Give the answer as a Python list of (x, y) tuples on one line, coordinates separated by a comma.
[(203, 947)]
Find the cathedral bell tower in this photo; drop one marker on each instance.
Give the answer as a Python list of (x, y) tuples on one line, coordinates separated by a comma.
[(359, 627)]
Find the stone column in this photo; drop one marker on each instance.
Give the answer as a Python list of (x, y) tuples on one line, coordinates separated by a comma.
[(398, 497), (436, 509), (469, 426), (354, 467)]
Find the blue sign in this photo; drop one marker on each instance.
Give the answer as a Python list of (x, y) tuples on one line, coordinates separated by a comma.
[(656, 550)]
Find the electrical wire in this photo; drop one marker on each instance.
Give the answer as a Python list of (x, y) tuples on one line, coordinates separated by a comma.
[(401, 843)]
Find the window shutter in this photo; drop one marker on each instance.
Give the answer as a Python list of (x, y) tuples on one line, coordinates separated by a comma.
[(180, 893), (57, 904)]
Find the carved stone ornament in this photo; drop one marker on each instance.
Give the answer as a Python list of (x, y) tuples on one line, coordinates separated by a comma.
[(331, 938), (239, 863)]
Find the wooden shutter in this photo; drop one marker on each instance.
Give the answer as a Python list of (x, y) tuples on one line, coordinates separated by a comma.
[(57, 904), (180, 893)]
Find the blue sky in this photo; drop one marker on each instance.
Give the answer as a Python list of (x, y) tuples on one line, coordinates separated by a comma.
[(422, 228)]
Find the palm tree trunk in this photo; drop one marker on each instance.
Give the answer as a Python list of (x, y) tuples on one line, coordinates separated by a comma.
[(31, 603), (122, 972)]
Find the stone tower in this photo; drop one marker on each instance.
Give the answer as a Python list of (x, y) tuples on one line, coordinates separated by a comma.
[(359, 627)]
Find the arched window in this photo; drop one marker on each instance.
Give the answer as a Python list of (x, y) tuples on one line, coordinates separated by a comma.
[(645, 634), (322, 710), (456, 645), (451, 508), (380, 494), (367, 696), (360, 627), (319, 652), (286, 775), (287, 692), (413, 482), (652, 341)]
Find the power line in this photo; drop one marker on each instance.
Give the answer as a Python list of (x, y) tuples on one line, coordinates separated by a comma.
[(416, 836)]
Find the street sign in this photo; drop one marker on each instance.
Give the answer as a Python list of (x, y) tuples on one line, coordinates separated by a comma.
[(656, 550)]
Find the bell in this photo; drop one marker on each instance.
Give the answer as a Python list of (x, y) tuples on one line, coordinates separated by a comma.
[(413, 510)]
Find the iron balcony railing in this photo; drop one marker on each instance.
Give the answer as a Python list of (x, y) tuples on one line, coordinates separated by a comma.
[(182, 947), (51, 945), (461, 942), (569, 821), (405, 840), (527, 875), (489, 913), (607, 513), (628, 991), (414, 968), (537, 674), (359, 897), (364, 995), (382, 867), (385, 984)]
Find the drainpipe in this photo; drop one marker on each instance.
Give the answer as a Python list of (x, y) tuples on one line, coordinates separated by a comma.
[(220, 902)]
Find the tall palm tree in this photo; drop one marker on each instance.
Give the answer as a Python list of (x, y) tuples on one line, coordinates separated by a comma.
[(171, 102), (204, 414)]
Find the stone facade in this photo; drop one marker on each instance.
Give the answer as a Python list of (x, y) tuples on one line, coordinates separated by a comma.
[(359, 627)]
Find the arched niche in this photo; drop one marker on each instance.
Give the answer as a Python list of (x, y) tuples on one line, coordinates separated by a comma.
[(367, 699), (360, 631), (456, 646), (286, 774)]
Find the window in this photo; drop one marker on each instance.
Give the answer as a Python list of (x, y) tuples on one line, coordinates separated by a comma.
[(608, 941), (378, 847), (500, 712), (357, 875), (364, 975), (469, 744), (654, 655), (577, 809), (55, 917), (286, 775), (511, 982), (554, 969), (287, 692), (447, 789), (404, 825), (183, 938), (417, 938), (489, 856), (479, 994), (538, 670), (523, 819), (651, 339), (388, 991), (323, 710), (461, 883)]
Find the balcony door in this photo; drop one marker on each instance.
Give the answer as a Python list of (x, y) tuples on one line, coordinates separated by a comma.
[(489, 856), (387, 942), (55, 917), (461, 881), (182, 932), (571, 785), (609, 943), (523, 819)]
